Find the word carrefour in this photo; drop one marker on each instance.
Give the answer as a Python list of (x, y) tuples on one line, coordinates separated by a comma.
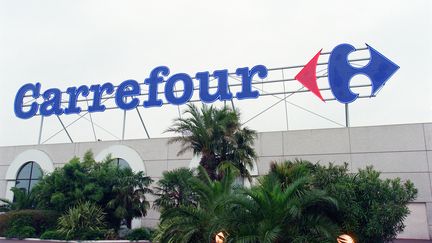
[(340, 72)]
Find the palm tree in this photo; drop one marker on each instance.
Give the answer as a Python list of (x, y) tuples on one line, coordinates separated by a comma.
[(22, 200), (289, 171), (269, 212), (174, 189), (129, 195), (216, 135), (190, 223)]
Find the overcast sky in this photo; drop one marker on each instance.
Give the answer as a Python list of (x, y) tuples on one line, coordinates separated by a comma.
[(69, 43)]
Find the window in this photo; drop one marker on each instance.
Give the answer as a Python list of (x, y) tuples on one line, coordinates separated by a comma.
[(28, 176), (121, 163)]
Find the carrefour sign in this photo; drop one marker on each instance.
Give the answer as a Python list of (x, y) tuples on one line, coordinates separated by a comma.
[(340, 72)]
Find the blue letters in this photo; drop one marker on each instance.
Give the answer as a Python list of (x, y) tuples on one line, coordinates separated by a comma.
[(19, 99), (246, 92), (222, 92), (97, 96), (125, 89), (153, 82), (73, 98), (187, 90), (52, 103)]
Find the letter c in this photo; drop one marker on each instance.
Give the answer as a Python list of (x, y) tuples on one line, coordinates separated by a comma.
[(19, 98)]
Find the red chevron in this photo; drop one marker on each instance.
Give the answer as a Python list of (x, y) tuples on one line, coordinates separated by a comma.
[(307, 76)]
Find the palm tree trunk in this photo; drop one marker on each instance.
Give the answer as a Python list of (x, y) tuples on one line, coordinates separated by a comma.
[(210, 165)]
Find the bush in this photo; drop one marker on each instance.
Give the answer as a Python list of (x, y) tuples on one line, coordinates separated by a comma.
[(370, 208), (139, 234), (4, 220), (86, 221), (53, 235), (111, 234), (39, 220), (99, 183), (20, 232), (91, 235)]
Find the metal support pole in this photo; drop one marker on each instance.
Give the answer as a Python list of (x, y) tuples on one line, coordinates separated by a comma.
[(64, 128), (124, 124), (232, 104), (91, 121), (40, 129), (346, 116), (286, 105), (142, 122), (232, 100), (178, 107)]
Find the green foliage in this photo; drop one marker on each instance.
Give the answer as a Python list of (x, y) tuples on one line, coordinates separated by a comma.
[(296, 202), (197, 223), (371, 209), (120, 192), (129, 199), (40, 220), (4, 222), (82, 222), (140, 234), (174, 189), (273, 211), (52, 235), (70, 184), (216, 135), (20, 232), (22, 200)]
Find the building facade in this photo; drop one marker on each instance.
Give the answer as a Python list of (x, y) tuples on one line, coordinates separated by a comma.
[(403, 151)]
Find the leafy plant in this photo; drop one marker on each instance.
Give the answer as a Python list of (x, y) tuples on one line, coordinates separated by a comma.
[(82, 222), (197, 223), (129, 199), (174, 190), (139, 234), (216, 135), (370, 208), (101, 183), (276, 212), (53, 235), (22, 200), (20, 232), (40, 220)]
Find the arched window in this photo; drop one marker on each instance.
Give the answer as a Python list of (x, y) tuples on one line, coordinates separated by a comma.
[(28, 176), (121, 163)]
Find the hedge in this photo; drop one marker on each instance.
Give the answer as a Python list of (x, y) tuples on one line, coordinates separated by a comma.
[(40, 220)]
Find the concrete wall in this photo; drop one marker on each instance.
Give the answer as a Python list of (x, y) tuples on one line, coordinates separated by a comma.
[(403, 151)]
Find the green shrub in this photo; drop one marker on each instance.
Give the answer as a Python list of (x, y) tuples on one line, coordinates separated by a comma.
[(85, 235), (139, 234), (20, 232), (371, 209), (4, 220), (85, 221), (92, 235), (87, 180), (53, 235), (111, 234), (40, 220)]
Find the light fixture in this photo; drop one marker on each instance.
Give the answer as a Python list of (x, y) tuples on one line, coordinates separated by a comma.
[(220, 237), (345, 239)]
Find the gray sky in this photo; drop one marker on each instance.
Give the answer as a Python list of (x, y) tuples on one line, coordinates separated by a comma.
[(68, 43)]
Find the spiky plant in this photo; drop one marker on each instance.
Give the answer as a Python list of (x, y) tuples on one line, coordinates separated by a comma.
[(82, 218), (217, 136)]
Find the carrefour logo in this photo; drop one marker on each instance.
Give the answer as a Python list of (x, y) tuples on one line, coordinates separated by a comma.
[(340, 72)]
